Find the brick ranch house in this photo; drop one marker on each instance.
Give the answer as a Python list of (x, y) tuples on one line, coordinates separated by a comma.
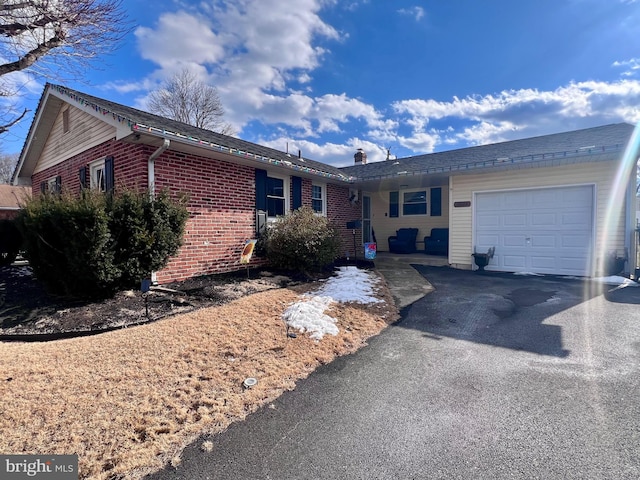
[(554, 204), (80, 140)]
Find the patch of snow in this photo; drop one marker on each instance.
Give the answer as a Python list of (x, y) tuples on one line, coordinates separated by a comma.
[(350, 284), (308, 316), (531, 274), (616, 280), (23, 271)]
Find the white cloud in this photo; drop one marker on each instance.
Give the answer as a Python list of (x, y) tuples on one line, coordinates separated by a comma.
[(631, 66), (421, 142), (519, 113), (415, 12), (252, 49), (339, 155), (178, 38)]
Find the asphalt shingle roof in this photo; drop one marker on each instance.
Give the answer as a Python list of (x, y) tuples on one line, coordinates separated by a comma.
[(10, 196), (145, 119), (601, 139)]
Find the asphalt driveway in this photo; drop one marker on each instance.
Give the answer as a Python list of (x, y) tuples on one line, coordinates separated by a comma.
[(489, 376)]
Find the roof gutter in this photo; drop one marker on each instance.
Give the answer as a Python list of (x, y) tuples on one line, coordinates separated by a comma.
[(244, 154), (151, 167)]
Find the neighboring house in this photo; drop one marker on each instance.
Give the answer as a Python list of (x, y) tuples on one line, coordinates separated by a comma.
[(80, 141), (553, 204), (11, 197)]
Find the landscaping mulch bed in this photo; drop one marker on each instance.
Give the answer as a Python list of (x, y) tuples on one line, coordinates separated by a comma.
[(27, 312)]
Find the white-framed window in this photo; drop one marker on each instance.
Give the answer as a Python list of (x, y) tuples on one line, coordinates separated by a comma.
[(319, 199), (414, 203), (277, 196), (96, 175), (53, 185)]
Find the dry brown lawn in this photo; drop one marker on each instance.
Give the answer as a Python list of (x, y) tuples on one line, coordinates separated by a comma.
[(127, 402)]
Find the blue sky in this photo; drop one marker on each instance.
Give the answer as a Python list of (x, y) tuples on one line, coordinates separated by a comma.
[(328, 77)]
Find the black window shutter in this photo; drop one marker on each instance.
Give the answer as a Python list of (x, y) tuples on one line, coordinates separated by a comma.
[(43, 187), (393, 204), (82, 174), (109, 182), (436, 202), (296, 183), (261, 190), (58, 184)]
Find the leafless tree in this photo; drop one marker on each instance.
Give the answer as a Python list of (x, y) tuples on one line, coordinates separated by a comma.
[(7, 166), (185, 98), (53, 38)]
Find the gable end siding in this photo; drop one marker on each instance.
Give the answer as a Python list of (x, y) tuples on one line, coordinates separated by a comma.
[(85, 133)]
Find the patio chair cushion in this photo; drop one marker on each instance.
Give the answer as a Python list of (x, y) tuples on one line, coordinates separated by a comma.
[(438, 242), (404, 241)]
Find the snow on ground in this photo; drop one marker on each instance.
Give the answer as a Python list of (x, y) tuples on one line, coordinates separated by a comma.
[(349, 285), (308, 316), (23, 271), (615, 280)]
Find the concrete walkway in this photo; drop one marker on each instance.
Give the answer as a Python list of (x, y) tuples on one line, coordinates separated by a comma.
[(406, 284)]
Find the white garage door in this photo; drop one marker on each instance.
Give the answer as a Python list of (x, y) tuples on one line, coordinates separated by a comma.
[(547, 230)]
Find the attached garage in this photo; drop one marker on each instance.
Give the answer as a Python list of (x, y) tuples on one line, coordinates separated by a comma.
[(542, 230)]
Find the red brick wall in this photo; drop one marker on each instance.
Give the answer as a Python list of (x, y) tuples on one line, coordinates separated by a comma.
[(130, 166), (221, 203), (306, 192), (4, 214), (340, 211), (222, 213)]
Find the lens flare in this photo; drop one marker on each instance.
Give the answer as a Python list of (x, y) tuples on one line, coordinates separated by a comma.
[(614, 216)]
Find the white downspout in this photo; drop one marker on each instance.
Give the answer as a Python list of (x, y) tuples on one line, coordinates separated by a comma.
[(152, 182), (151, 167)]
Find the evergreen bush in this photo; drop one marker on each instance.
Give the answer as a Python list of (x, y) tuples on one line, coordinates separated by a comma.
[(94, 245), (301, 241), (145, 233)]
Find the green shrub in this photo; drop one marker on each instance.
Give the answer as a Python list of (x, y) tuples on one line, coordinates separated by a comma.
[(145, 233), (66, 241), (301, 241), (10, 241), (93, 245)]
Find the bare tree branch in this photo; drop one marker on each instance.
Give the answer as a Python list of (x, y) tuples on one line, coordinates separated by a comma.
[(6, 127), (185, 98), (7, 166), (54, 39)]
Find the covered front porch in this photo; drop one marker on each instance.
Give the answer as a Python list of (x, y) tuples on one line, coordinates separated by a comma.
[(386, 258)]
